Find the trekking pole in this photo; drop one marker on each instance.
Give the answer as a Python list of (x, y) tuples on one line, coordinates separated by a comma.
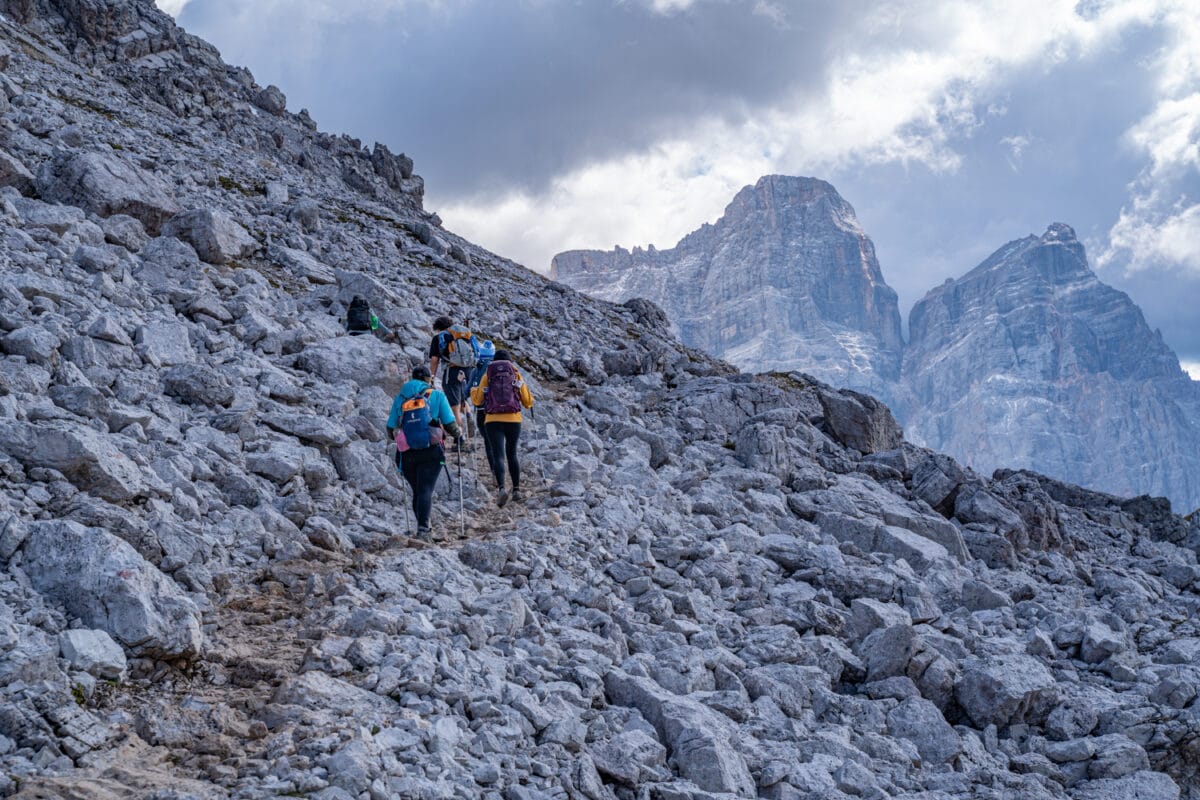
[(395, 468), (462, 518)]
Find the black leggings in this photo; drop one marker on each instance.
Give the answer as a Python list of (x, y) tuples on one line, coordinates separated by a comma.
[(481, 428), (501, 439), (422, 476)]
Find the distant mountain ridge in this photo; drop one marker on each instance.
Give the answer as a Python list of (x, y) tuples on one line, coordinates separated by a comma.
[(786, 279), (1028, 359)]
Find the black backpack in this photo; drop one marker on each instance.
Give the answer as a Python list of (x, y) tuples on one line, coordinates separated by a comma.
[(358, 316)]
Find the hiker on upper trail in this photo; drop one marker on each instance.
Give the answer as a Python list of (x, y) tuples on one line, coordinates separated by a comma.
[(455, 347), (418, 422), (487, 351), (361, 319), (502, 393)]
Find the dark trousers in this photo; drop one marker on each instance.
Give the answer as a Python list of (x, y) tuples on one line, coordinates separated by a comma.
[(480, 424), (501, 439), (422, 472)]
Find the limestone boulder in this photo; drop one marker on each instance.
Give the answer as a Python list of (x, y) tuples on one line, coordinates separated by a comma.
[(107, 184), (860, 421), (103, 581), (358, 360), (87, 458), (1006, 689), (92, 651), (216, 237), (700, 741)]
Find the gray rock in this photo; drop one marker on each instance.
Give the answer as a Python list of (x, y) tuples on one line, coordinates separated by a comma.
[(860, 421), (887, 651), (1138, 786), (1002, 690), (921, 722), (106, 184), (15, 174), (87, 458), (978, 596), (699, 741), (1116, 756), (307, 214), (216, 237), (104, 582), (630, 758), (94, 652), (359, 360), (126, 231), (164, 344), (197, 384), (271, 100), (36, 344)]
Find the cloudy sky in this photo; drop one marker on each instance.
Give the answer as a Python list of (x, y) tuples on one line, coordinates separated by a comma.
[(952, 126)]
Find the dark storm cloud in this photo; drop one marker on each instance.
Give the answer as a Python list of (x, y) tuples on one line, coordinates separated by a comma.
[(502, 96)]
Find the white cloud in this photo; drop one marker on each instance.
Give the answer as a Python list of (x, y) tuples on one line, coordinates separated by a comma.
[(908, 84), (1191, 368), (1016, 150), (671, 6), (1160, 226), (172, 7)]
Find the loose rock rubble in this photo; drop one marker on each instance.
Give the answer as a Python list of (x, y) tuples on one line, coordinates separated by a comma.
[(720, 585)]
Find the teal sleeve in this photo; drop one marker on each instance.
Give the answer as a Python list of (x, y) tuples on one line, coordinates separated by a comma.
[(441, 408), (394, 417)]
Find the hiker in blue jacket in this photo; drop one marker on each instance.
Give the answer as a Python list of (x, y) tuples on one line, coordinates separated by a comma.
[(418, 423)]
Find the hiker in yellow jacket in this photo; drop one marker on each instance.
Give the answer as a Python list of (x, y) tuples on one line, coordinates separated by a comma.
[(502, 394)]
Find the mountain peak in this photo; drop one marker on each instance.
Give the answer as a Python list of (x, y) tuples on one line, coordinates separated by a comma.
[(1059, 232)]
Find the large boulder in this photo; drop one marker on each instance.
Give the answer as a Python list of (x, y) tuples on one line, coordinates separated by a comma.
[(87, 458), (700, 741), (103, 581), (198, 385), (1006, 689), (106, 184), (360, 360), (860, 421), (216, 237), (920, 721), (92, 651), (14, 173)]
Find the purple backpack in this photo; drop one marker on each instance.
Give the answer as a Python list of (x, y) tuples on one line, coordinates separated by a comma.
[(503, 392)]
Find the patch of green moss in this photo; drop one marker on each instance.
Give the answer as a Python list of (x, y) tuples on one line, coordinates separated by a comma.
[(230, 185), (77, 693), (788, 380)]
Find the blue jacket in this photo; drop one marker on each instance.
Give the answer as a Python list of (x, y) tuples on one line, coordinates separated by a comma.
[(439, 407)]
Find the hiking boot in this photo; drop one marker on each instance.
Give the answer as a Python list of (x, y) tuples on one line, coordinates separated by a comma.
[(502, 500), (517, 496), (423, 533)]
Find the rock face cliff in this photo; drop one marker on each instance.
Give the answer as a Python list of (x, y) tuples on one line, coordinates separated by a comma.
[(720, 585), (1030, 360), (786, 279)]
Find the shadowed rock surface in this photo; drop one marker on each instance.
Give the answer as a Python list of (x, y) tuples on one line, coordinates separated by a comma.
[(718, 585)]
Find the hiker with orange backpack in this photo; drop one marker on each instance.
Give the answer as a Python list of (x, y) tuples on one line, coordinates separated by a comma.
[(455, 347), (502, 393), (419, 421)]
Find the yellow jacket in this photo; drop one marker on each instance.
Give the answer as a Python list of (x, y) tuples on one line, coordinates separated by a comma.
[(477, 395)]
